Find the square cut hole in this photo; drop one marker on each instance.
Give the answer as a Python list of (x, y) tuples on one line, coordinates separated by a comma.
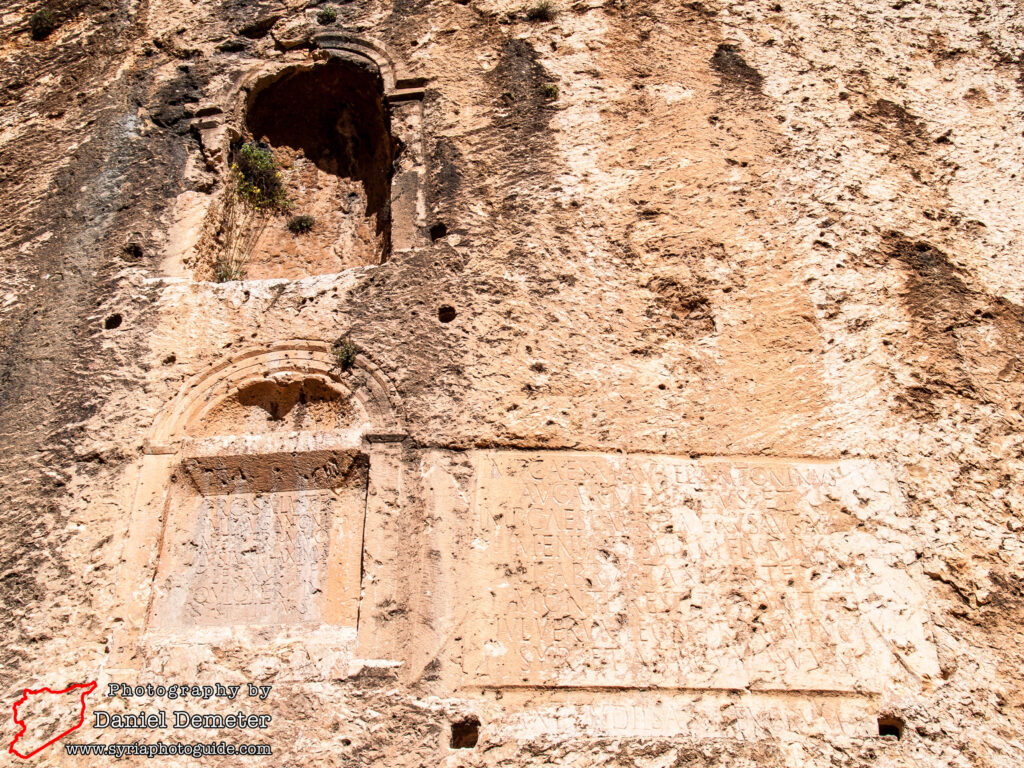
[(465, 733), (890, 726)]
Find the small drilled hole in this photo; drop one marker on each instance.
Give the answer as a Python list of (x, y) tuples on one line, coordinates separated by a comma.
[(437, 231), (465, 733), (446, 313), (890, 726), (112, 322)]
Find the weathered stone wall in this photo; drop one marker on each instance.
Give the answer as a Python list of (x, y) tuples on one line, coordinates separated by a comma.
[(712, 457)]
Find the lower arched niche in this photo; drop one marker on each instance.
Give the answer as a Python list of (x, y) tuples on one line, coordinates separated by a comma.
[(250, 505)]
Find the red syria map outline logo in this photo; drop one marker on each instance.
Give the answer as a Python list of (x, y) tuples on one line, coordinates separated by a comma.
[(88, 688)]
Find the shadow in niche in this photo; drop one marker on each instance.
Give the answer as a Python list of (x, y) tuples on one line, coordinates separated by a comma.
[(336, 115), (269, 406), (278, 400)]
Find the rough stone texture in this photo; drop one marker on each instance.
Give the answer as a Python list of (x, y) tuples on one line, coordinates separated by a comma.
[(737, 235)]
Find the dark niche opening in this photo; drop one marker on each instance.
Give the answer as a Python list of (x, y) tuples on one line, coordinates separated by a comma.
[(305, 404), (329, 129), (336, 114), (890, 726), (465, 733), (112, 322), (278, 400), (446, 313)]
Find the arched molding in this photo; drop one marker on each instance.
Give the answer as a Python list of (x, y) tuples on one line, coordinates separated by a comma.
[(397, 84), (363, 383), (368, 49)]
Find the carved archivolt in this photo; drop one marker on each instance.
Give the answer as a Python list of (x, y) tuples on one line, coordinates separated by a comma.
[(364, 385), (398, 85)]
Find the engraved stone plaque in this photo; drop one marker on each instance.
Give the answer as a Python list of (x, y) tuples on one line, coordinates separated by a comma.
[(654, 571), (262, 549)]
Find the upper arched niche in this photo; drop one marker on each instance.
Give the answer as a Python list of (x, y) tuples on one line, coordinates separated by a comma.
[(344, 130), (333, 116), (329, 128)]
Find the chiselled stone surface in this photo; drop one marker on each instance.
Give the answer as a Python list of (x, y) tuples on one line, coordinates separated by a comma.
[(644, 571)]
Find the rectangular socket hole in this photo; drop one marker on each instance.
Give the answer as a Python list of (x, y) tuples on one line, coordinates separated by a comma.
[(890, 726), (465, 733)]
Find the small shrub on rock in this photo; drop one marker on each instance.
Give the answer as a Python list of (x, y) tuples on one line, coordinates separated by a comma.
[(258, 178), (226, 270), (300, 224), (42, 23), (327, 15), (542, 10), (344, 353), (549, 91)]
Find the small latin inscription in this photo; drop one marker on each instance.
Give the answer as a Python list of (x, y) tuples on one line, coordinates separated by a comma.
[(261, 559)]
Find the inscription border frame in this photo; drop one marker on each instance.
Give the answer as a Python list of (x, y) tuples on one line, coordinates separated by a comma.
[(166, 448)]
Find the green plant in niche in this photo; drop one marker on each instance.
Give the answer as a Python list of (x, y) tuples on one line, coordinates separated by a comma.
[(226, 269), (344, 352), (258, 194), (258, 178), (300, 224), (542, 10), (549, 91), (42, 23), (327, 15)]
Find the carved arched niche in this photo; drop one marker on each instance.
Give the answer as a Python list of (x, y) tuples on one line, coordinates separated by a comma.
[(344, 130), (250, 504)]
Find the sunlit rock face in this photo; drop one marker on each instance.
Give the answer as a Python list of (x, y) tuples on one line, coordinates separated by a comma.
[(483, 384)]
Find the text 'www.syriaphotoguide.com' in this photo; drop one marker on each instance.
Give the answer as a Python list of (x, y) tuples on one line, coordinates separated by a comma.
[(159, 749)]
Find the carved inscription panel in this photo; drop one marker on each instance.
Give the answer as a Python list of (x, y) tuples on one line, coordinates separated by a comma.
[(261, 558), (608, 570)]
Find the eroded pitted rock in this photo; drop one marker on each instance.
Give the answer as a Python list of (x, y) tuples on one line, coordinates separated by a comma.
[(679, 421)]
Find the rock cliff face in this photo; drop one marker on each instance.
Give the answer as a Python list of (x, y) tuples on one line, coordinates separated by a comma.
[(608, 384)]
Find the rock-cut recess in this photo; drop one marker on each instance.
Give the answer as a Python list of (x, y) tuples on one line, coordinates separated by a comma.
[(329, 128)]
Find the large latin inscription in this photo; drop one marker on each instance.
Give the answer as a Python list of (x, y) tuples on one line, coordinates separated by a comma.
[(645, 571)]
